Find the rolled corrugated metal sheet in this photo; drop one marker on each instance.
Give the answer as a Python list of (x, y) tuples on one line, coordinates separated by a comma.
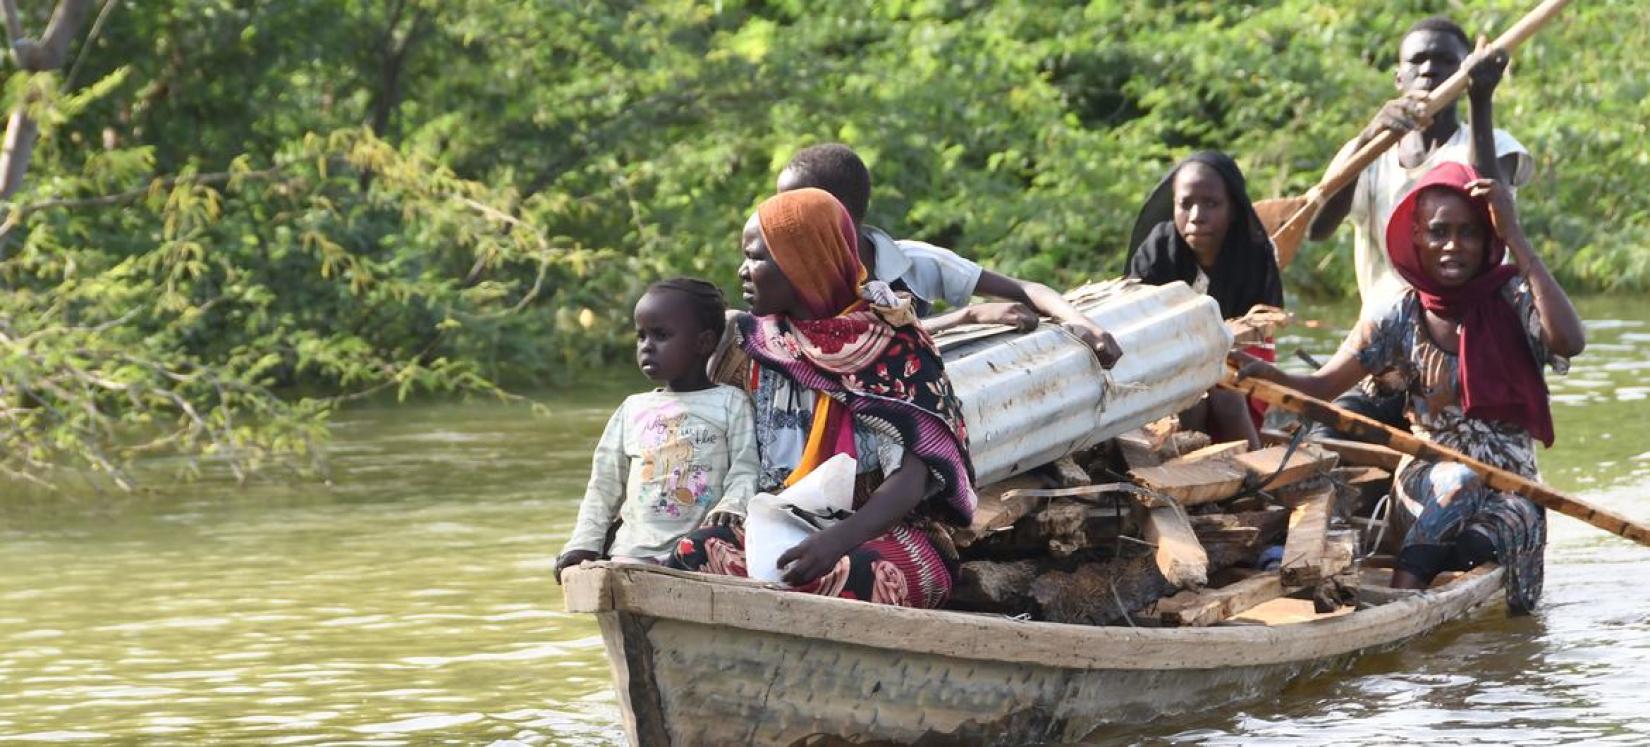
[(1032, 398)]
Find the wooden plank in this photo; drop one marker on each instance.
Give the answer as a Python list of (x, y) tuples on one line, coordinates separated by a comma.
[(1138, 449), (1229, 539), (1067, 474), (1193, 483), (1207, 607), (1285, 611), (1359, 477), (1307, 462), (1215, 451), (996, 512), (586, 590), (1180, 443), (1274, 437), (1360, 454), (1179, 556), (1262, 322), (1305, 548)]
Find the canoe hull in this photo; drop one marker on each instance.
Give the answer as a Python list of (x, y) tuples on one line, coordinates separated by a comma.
[(691, 668)]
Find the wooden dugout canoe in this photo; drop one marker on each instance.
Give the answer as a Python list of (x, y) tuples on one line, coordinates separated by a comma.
[(707, 660)]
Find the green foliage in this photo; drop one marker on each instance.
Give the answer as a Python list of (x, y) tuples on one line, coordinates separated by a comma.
[(256, 209)]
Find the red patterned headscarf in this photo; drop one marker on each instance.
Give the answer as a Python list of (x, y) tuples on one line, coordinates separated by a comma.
[(1500, 378)]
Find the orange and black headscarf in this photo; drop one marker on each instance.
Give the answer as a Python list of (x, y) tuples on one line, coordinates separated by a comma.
[(865, 371)]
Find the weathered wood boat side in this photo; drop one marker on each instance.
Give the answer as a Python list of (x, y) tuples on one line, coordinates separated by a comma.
[(712, 660)]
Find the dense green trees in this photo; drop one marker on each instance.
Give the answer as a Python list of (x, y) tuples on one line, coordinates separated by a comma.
[(231, 199)]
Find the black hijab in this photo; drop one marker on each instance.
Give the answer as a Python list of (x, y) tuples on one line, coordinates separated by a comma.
[(1245, 273)]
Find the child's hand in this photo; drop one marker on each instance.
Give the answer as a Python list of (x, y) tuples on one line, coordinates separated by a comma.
[(810, 559), (723, 519), (1105, 346), (572, 558)]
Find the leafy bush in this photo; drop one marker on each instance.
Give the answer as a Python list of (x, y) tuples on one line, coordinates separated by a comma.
[(256, 211)]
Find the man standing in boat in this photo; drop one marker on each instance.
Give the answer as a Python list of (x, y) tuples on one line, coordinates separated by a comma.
[(1429, 53)]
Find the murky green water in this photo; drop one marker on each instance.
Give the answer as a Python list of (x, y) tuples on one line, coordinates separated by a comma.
[(412, 601)]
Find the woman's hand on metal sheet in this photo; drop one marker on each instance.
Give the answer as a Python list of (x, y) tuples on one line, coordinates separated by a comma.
[(572, 558), (1105, 346), (1016, 315), (811, 558)]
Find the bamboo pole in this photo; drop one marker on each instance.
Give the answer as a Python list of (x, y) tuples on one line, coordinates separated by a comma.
[(1288, 237), (1376, 432)]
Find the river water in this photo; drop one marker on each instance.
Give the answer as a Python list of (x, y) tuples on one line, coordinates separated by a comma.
[(411, 601)]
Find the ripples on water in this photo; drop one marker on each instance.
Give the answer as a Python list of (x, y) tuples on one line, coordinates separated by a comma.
[(413, 603)]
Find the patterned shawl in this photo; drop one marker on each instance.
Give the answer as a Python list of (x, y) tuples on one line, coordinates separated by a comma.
[(1500, 378), (865, 370)]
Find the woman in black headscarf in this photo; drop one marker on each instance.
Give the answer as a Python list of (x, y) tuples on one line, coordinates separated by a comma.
[(1199, 227)]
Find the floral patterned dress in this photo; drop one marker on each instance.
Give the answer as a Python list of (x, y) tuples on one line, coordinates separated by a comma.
[(1453, 519)]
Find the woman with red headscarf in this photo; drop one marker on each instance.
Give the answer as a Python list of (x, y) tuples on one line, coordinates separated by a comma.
[(1469, 338), (839, 365)]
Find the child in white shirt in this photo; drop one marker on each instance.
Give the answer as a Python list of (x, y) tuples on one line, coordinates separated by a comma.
[(674, 456)]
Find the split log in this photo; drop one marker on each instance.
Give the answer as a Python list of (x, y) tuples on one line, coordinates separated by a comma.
[(1181, 443), (1307, 462), (1180, 557), (1158, 442), (1062, 528), (1305, 548), (996, 586), (1065, 473), (1099, 593), (1138, 449), (1360, 454), (1238, 538), (998, 509)]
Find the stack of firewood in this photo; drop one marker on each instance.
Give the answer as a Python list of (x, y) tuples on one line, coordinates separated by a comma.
[(1160, 527)]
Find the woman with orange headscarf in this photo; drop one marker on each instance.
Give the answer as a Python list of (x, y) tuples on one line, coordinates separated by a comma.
[(839, 366)]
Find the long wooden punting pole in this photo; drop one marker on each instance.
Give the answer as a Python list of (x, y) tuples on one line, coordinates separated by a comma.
[(1374, 431), (1287, 238)]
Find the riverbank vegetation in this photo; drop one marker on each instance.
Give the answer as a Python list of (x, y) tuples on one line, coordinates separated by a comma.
[(223, 218)]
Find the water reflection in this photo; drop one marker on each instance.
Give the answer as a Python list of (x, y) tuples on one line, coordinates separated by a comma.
[(411, 602)]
